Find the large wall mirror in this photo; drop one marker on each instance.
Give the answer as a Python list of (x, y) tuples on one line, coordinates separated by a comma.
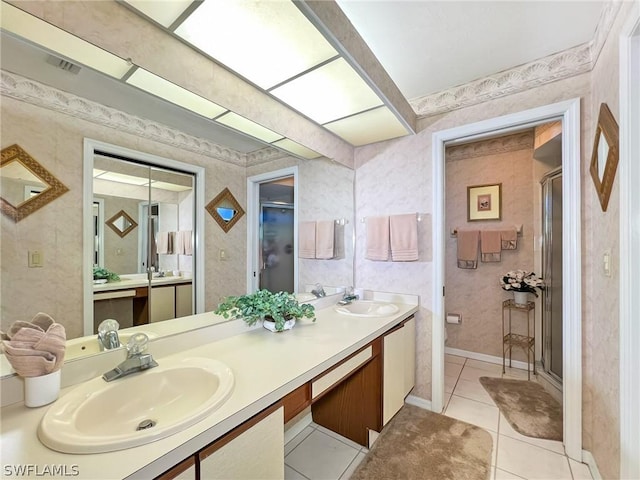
[(150, 251)]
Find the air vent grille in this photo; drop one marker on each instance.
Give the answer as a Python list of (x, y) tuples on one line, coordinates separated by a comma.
[(63, 64)]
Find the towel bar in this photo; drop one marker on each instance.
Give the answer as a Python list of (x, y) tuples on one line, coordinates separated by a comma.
[(519, 230)]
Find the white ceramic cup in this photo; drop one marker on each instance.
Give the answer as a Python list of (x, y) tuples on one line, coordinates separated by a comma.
[(42, 390)]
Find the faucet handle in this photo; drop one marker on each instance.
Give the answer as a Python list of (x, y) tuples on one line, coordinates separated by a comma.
[(137, 344), (108, 325)]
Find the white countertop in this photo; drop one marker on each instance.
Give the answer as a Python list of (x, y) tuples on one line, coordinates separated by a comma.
[(139, 281), (297, 356)]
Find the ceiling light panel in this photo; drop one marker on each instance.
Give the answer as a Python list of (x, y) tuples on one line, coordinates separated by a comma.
[(44, 34), (295, 148), (244, 125), (267, 42), (123, 178), (368, 127), (165, 12), (170, 186), (329, 92), (171, 92)]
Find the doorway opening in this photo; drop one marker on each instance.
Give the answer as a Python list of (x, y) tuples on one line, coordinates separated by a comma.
[(569, 113), (272, 250)]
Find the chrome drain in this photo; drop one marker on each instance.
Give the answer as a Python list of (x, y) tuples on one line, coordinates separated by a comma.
[(145, 424)]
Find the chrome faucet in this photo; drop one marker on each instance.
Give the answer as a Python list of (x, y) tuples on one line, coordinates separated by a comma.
[(108, 334), (348, 296), (136, 361), (319, 291)]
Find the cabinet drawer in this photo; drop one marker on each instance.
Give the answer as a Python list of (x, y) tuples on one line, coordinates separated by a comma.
[(296, 401), (333, 377)]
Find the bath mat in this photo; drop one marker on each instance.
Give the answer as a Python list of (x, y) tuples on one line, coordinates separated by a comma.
[(527, 406), (421, 445)]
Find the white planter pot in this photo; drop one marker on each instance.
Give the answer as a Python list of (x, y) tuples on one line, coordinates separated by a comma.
[(271, 326), (521, 298)]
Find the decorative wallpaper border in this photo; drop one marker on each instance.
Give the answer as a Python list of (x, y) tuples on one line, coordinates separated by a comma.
[(558, 66), (36, 93), (493, 146)]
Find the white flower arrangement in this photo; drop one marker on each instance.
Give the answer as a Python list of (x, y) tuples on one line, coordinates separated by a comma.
[(521, 281)]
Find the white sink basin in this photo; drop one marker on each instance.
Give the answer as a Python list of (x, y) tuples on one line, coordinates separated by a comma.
[(367, 308), (79, 347), (98, 417), (305, 297)]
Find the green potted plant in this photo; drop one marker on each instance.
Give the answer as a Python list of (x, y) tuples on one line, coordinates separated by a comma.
[(279, 311), (102, 275)]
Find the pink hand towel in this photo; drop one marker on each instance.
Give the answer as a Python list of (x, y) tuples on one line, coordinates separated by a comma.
[(404, 237), (468, 248), (509, 239), (307, 240), (325, 234), (377, 239), (490, 246)]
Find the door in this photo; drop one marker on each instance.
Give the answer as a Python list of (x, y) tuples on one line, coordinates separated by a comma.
[(276, 238), (552, 274)]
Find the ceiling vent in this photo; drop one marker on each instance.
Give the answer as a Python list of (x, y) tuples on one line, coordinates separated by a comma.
[(63, 64)]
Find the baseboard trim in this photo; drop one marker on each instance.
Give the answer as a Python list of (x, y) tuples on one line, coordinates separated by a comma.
[(418, 402), (588, 458), (483, 357)]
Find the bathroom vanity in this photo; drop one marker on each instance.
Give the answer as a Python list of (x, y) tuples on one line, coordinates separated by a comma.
[(360, 362)]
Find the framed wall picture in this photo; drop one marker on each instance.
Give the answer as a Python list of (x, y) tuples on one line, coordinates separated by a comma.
[(484, 202), (604, 157)]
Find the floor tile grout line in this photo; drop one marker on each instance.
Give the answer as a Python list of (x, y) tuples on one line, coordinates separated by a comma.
[(350, 463), (300, 442), (303, 475), (341, 441)]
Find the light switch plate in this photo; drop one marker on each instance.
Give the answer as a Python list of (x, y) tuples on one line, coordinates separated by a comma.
[(606, 262), (36, 258)]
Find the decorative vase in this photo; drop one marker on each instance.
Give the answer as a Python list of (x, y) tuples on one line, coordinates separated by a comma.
[(521, 298), (271, 325)]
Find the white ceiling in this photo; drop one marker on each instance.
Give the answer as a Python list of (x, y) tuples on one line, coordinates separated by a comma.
[(430, 46), (425, 46)]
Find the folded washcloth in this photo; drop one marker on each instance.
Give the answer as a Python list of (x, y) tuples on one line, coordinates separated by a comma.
[(490, 246), (377, 239), (404, 237), (468, 248), (325, 234), (509, 239), (33, 350), (307, 240)]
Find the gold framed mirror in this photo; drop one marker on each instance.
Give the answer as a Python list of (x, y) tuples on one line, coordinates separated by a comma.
[(26, 185), (604, 158), (121, 223), (225, 209)]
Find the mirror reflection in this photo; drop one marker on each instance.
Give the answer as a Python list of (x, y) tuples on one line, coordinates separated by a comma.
[(225, 209), (603, 154), (19, 184), (122, 223)]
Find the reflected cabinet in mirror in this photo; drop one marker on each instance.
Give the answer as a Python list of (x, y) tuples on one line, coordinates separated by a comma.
[(26, 185), (604, 158)]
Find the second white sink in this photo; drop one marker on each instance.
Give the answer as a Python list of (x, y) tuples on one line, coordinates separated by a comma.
[(367, 308), (98, 417)]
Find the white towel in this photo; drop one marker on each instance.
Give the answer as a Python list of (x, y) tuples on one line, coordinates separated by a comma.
[(165, 243), (184, 243), (404, 237), (307, 240), (377, 239), (325, 234)]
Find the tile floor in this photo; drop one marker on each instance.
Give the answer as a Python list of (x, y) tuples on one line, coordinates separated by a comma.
[(317, 453)]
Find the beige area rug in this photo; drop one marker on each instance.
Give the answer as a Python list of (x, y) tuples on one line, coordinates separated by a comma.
[(527, 406), (421, 445)]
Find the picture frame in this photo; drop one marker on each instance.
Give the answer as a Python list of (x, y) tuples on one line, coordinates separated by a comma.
[(605, 154), (484, 202)]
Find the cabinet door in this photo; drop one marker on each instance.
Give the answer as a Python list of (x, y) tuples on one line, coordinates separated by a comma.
[(410, 355), (257, 452), (393, 374), (185, 470), (163, 303), (184, 300)]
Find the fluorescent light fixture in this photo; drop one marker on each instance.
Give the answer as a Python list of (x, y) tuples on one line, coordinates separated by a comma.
[(171, 92), (123, 178), (165, 12), (249, 127), (267, 42), (368, 127), (295, 148), (329, 92), (170, 186), (52, 38), (97, 172)]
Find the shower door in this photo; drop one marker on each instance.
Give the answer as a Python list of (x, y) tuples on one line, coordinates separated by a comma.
[(552, 273), (276, 236)]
